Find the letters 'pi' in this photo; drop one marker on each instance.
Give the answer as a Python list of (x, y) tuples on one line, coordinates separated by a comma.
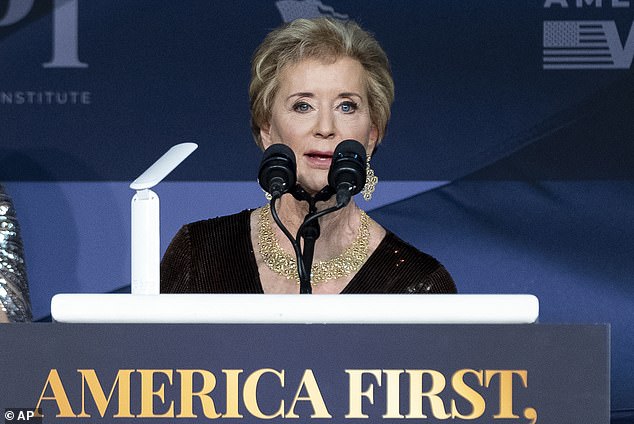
[(65, 33)]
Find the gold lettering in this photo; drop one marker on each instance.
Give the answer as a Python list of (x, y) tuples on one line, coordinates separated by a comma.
[(356, 393), (59, 395), (148, 394), (314, 397), (233, 396), (393, 396), (122, 381), (531, 415), (477, 402), (506, 389), (250, 393), (187, 394), (416, 394)]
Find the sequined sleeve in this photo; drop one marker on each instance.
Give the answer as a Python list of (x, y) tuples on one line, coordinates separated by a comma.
[(176, 264), (14, 288)]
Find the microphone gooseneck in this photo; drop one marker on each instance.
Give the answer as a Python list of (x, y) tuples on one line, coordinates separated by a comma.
[(277, 176), (346, 178), (347, 170)]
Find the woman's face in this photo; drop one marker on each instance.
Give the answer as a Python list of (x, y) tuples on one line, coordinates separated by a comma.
[(317, 106)]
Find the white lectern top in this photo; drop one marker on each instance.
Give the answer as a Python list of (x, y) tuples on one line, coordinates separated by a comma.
[(268, 308)]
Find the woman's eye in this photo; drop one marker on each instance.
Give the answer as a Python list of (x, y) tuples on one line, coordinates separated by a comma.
[(348, 107), (301, 107)]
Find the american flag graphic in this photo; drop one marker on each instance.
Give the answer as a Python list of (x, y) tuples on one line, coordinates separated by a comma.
[(578, 45)]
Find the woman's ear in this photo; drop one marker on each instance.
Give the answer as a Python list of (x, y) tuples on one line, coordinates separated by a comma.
[(373, 140), (265, 135)]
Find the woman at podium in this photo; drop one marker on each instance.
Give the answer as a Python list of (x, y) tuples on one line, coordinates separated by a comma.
[(314, 83)]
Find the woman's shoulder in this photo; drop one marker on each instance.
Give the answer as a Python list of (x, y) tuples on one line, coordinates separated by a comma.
[(409, 269), (203, 238), (201, 257), (236, 221), (400, 247)]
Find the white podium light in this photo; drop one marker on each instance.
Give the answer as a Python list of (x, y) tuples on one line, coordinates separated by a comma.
[(145, 222)]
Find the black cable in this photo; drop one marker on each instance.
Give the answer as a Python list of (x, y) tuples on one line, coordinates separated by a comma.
[(301, 271), (309, 243), (311, 217), (317, 216)]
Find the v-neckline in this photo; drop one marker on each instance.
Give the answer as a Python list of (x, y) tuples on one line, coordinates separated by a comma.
[(349, 288)]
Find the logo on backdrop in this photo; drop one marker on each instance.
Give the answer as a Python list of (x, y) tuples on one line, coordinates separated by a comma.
[(294, 9), (65, 30), (586, 44), (65, 42)]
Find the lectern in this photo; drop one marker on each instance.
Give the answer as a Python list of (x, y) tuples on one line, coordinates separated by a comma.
[(283, 370)]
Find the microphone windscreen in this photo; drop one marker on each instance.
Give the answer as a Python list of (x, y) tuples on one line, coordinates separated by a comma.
[(278, 164), (348, 166), (351, 147), (279, 150)]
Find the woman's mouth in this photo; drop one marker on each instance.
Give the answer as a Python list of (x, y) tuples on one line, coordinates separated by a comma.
[(321, 160)]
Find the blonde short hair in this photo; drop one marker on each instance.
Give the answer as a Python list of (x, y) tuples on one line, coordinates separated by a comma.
[(324, 39)]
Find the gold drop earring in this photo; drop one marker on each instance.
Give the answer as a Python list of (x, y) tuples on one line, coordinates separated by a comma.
[(370, 181)]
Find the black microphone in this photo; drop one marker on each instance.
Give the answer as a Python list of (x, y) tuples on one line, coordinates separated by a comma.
[(347, 170), (277, 173)]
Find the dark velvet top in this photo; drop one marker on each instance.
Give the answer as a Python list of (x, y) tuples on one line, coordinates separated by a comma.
[(216, 256)]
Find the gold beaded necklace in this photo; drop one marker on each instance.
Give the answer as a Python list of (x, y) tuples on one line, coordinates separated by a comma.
[(285, 264)]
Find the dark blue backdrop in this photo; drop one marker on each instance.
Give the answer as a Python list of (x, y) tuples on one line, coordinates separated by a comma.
[(518, 178)]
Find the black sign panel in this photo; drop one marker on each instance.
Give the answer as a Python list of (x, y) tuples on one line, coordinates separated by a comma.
[(303, 373)]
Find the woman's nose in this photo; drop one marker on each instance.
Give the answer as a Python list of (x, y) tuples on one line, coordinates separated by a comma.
[(325, 125)]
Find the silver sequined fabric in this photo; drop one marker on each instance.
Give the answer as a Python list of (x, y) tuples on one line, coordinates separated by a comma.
[(14, 288)]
